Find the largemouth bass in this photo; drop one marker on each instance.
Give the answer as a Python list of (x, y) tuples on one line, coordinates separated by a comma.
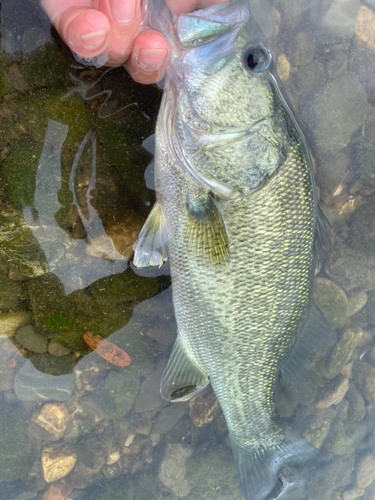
[(237, 216)]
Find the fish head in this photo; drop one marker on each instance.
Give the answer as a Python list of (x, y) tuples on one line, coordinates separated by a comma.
[(221, 76)]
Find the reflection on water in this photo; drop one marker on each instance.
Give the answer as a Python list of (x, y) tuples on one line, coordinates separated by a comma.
[(74, 193)]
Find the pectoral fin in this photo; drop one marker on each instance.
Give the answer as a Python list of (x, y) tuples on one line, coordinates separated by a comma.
[(205, 235), (316, 331), (151, 247), (182, 377)]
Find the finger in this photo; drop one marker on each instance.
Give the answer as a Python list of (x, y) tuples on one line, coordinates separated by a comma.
[(184, 6), (150, 57)]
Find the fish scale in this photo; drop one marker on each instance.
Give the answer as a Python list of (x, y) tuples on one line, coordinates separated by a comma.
[(236, 215)]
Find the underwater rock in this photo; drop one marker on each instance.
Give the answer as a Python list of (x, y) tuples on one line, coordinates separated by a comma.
[(365, 27), (332, 168), (93, 450), (15, 450), (10, 292), (331, 300), (211, 475), (168, 418), (149, 397), (10, 322), (57, 463), (363, 227), (332, 392), (302, 49), (337, 65), (294, 9), (341, 440), (29, 339), (353, 493), (124, 232), (172, 472), (341, 352), (350, 269), (57, 492), (308, 77), (116, 397), (366, 471), (320, 426), (32, 385), (347, 100), (356, 405), (52, 365), (337, 477), (283, 67), (57, 349), (81, 476), (203, 408), (356, 302), (53, 418), (364, 375)]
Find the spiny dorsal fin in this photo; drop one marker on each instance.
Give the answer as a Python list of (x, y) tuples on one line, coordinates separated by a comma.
[(151, 246), (206, 236), (182, 377)]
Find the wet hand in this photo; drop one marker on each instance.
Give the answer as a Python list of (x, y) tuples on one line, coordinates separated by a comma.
[(91, 27)]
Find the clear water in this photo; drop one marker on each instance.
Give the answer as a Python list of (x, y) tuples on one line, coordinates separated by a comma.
[(75, 188)]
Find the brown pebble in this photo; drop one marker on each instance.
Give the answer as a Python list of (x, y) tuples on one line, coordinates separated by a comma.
[(333, 392)]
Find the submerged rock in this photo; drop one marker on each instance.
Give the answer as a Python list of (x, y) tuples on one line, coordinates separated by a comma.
[(203, 408), (28, 338), (57, 463), (364, 375), (10, 322), (172, 472), (332, 393), (341, 352), (332, 301), (116, 397), (320, 426), (53, 418), (10, 292), (366, 471)]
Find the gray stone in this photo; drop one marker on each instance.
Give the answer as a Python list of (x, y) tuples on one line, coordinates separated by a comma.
[(93, 450), (10, 322), (116, 397), (302, 50), (364, 375), (346, 100), (320, 426), (366, 471), (363, 227), (350, 269), (32, 385), (168, 417), (332, 392), (332, 168), (341, 352), (338, 476), (32, 341), (356, 302), (149, 398), (308, 77), (294, 9), (172, 472), (337, 65), (57, 349)]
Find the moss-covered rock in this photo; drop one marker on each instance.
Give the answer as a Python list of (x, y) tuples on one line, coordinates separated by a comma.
[(19, 169), (10, 292), (46, 363)]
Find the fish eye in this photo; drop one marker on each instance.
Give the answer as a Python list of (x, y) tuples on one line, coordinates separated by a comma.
[(257, 59)]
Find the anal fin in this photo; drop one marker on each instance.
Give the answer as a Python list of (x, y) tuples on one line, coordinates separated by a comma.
[(206, 236), (182, 377), (151, 247), (315, 331)]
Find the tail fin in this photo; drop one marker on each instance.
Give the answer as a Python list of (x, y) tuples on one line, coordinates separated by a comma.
[(264, 473)]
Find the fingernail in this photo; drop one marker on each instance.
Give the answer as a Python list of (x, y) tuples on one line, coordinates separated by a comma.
[(94, 40), (151, 59), (123, 10)]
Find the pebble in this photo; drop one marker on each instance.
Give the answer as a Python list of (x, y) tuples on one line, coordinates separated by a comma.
[(302, 50), (332, 393), (332, 301), (10, 322), (168, 417), (57, 492), (366, 472), (57, 463), (365, 27), (283, 67), (30, 340), (53, 418), (57, 349), (113, 457), (353, 493), (173, 469), (341, 352), (337, 65), (320, 426), (364, 375)]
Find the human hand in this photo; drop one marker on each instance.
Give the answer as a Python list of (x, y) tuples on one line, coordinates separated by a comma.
[(91, 27)]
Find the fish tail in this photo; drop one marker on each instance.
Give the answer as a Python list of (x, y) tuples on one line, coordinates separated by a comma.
[(265, 472)]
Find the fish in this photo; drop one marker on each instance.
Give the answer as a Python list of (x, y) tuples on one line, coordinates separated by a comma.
[(236, 214)]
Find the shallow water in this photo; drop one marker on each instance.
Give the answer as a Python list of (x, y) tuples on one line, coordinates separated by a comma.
[(75, 188)]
